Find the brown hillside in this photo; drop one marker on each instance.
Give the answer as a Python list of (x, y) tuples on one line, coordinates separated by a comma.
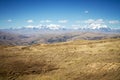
[(72, 60)]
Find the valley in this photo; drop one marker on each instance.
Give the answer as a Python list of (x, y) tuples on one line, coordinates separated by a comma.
[(37, 36)]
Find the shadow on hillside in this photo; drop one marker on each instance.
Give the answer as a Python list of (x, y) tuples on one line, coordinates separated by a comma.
[(13, 69)]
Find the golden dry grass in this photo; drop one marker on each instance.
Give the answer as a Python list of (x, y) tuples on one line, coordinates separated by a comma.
[(73, 60)]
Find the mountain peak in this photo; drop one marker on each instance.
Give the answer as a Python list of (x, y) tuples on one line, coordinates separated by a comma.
[(97, 26), (46, 27)]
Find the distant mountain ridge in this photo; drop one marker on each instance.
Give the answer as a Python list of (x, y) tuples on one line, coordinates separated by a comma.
[(29, 36), (53, 27)]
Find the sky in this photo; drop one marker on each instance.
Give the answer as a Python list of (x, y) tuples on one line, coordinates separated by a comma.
[(64, 13)]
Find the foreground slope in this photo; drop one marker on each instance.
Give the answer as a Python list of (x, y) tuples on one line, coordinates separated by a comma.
[(73, 60)]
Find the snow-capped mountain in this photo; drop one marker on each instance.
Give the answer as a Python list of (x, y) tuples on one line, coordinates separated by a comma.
[(55, 27), (45, 27), (92, 27), (95, 27)]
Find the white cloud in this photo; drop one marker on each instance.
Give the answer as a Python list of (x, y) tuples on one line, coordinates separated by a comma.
[(89, 21), (114, 22), (30, 21), (75, 26), (63, 21), (86, 11), (78, 21), (45, 21), (42, 21), (9, 20), (48, 21), (100, 21)]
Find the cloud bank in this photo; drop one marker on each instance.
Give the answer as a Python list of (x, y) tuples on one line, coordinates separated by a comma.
[(30, 21), (62, 21), (45, 21), (114, 22), (9, 20), (86, 11)]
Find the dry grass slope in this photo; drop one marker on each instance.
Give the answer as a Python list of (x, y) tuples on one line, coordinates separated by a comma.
[(73, 60)]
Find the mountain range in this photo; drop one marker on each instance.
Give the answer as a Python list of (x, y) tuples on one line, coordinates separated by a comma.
[(58, 27), (53, 33)]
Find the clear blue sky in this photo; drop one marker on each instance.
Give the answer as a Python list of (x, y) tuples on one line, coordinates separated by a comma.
[(68, 13)]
